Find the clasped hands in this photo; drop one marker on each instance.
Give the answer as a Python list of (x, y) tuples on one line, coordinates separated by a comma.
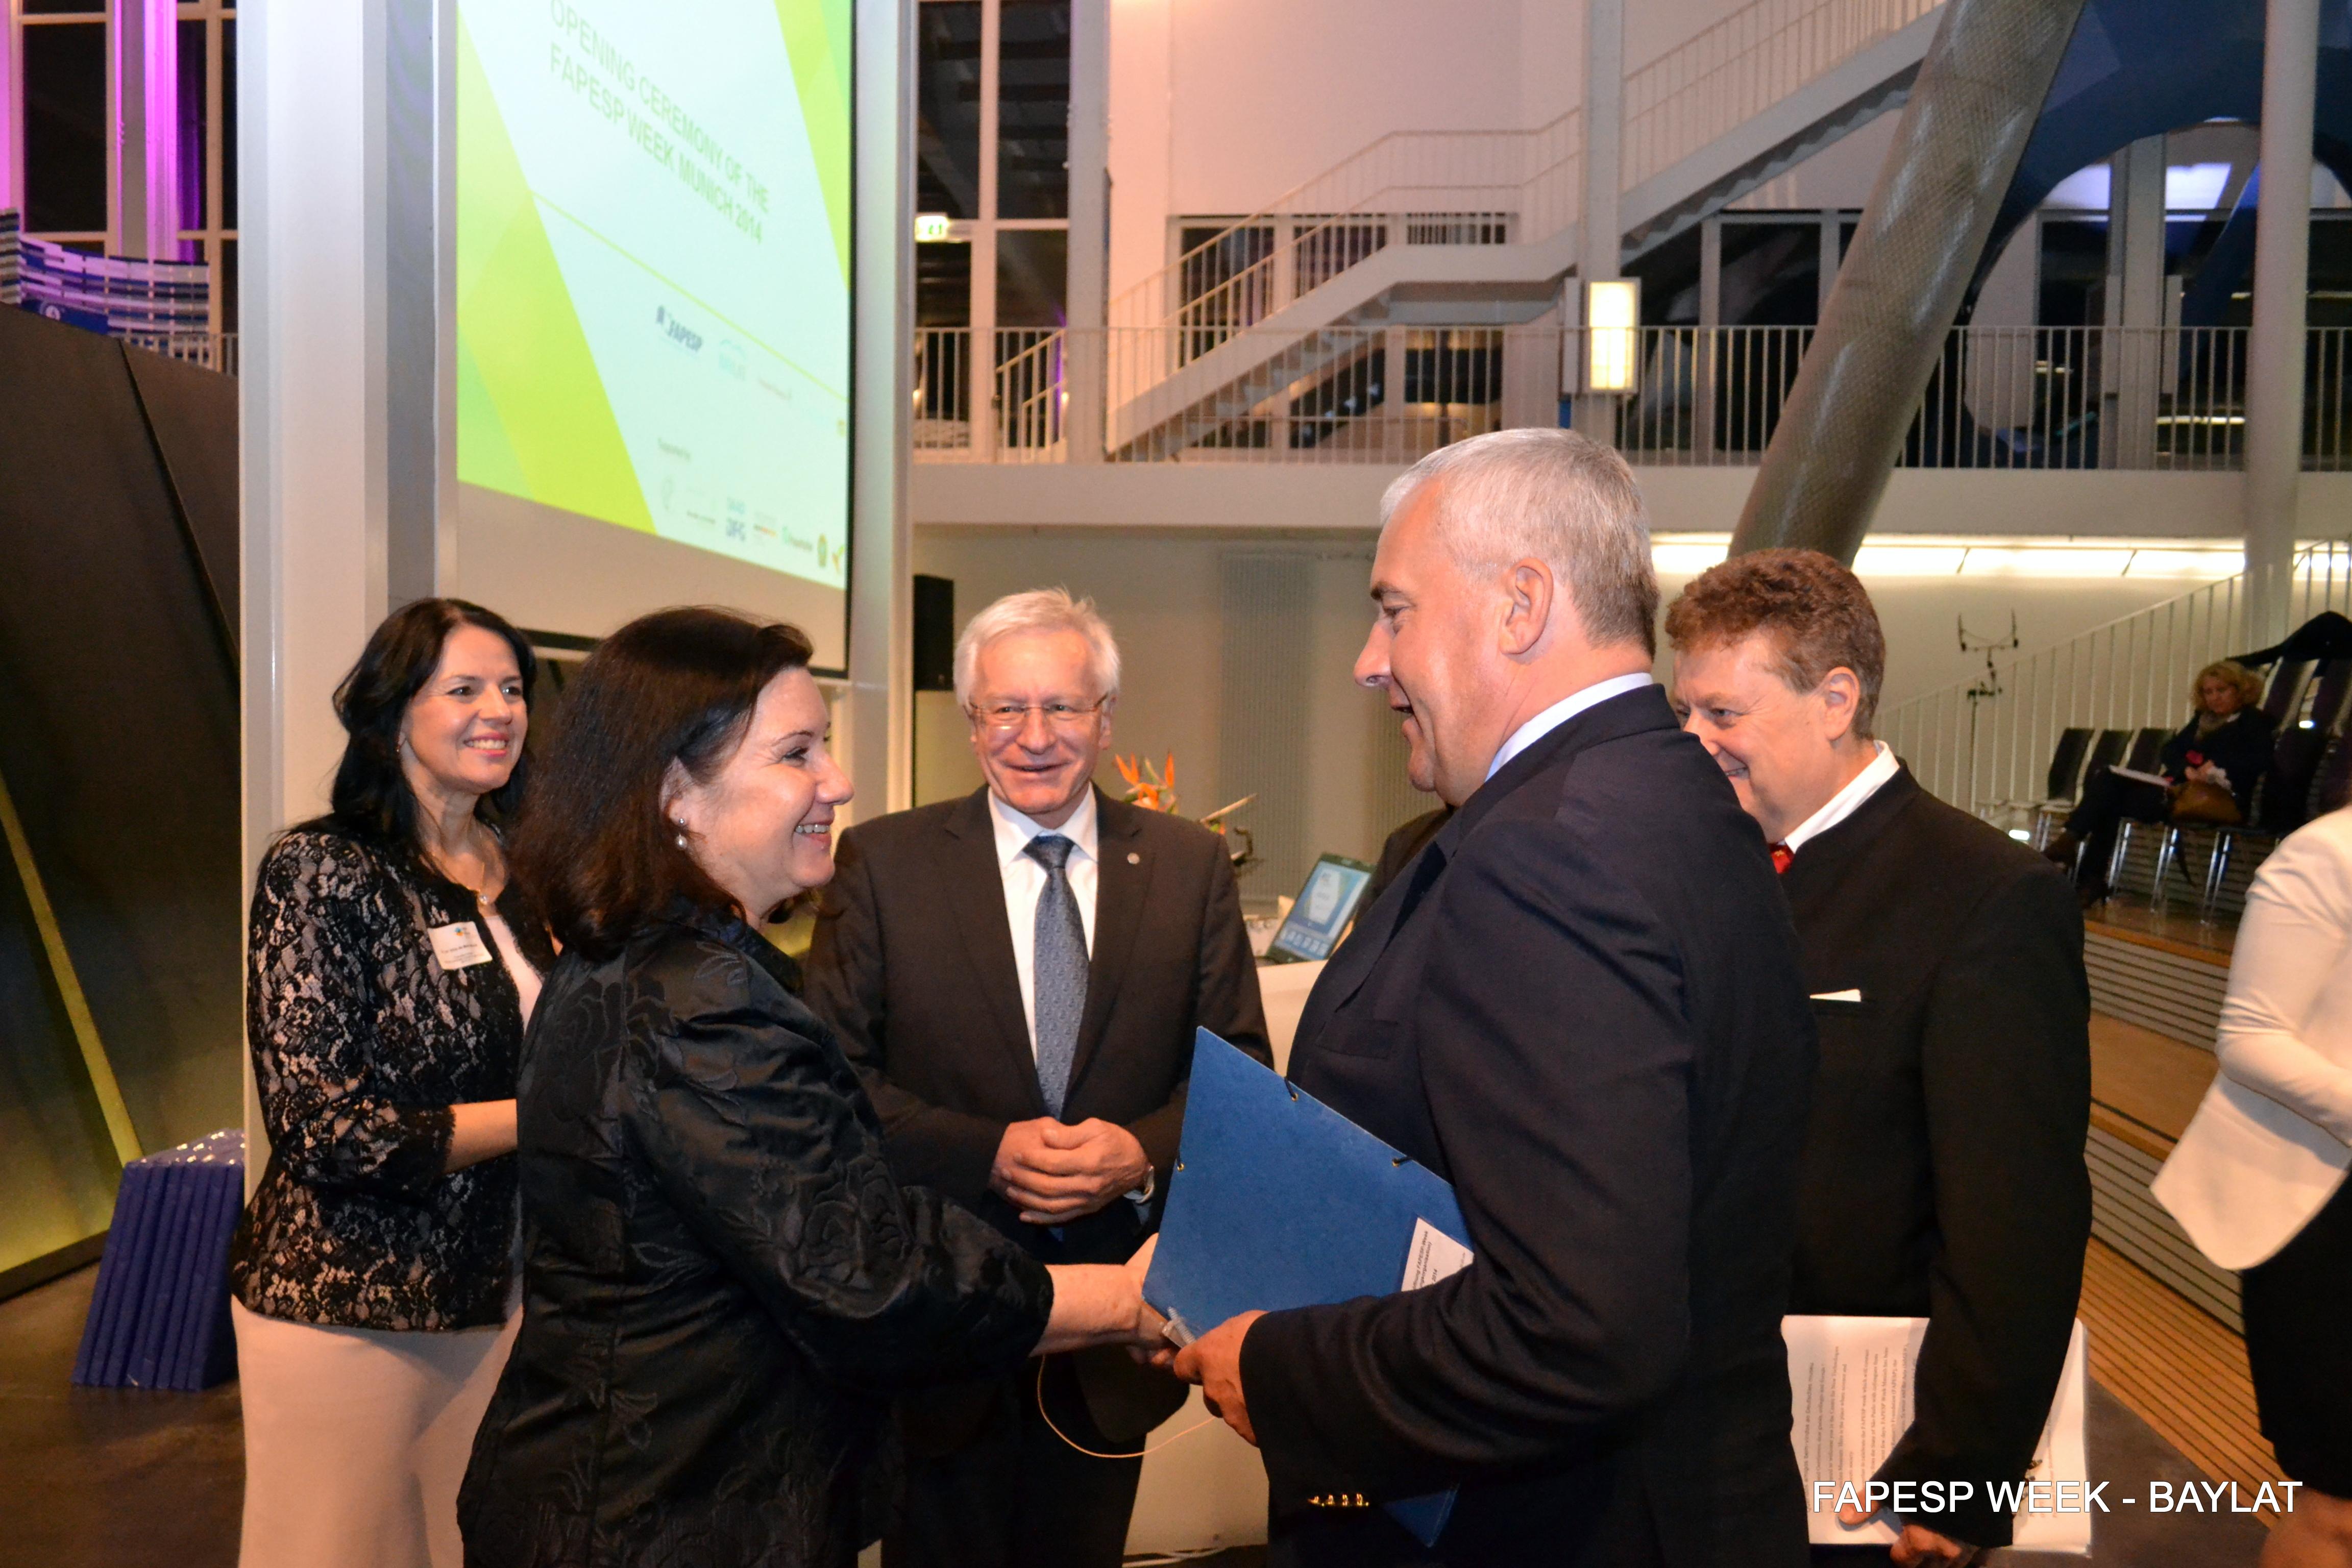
[(1055, 1173)]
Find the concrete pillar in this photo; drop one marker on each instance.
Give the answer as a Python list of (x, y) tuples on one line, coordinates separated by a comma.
[(11, 130), (876, 717), (144, 216), (1826, 258), (1706, 367), (2275, 347), (310, 428), (1089, 245), (2135, 304), (985, 412), (1601, 232)]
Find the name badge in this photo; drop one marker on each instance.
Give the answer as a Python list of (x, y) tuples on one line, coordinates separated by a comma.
[(458, 946)]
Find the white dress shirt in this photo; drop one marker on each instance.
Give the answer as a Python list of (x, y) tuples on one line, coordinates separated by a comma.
[(1024, 883), (1847, 801), (2271, 1142), (1562, 711)]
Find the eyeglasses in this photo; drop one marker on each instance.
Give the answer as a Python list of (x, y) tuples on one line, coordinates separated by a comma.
[(1004, 718)]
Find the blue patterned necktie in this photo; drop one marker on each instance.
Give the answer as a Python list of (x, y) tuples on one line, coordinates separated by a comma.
[(1059, 975)]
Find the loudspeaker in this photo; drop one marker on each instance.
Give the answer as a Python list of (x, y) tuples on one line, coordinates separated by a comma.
[(935, 633)]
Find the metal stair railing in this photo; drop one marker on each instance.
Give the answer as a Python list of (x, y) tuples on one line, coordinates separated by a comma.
[(1488, 187), (1712, 83)]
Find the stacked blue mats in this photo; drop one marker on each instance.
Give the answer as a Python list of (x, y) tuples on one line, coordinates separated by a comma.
[(159, 1318)]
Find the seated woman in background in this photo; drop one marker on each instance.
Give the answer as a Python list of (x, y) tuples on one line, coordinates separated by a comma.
[(2257, 1180), (393, 966), (2226, 743), (723, 1282)]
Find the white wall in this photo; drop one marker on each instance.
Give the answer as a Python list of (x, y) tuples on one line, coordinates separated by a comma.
[(1277, 497), (1220, 106), (1160, 590)]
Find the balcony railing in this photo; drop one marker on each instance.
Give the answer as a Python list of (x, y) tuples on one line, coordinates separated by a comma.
[(214, 351), (2000, 397)]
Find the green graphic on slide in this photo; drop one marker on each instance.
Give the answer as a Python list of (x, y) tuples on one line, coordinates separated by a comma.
[(532, 418), (653, 267), (818, 38)]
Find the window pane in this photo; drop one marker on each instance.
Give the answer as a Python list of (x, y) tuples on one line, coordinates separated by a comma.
[(1032, 266), (228, 286), (65, 127), (943, 284), (64, 7), (191, 125), (1771, 274), (2074, 287), (228, 124), (947, 108), (1033, 109)]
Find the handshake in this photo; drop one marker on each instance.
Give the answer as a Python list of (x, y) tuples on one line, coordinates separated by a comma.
[(1103, 1304)]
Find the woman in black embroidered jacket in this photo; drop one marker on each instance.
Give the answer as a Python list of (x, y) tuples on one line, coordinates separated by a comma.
[(391, 969), (723, 1283)]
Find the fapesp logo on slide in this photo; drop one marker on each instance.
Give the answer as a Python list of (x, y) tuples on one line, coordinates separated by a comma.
[(678, 332)]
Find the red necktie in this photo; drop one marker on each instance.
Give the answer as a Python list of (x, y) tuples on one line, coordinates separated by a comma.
[(1782, 856)]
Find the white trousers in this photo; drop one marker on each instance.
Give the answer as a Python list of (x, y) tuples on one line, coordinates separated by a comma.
[(355, 1440)]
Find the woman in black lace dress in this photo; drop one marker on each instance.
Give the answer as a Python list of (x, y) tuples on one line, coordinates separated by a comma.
[(392, 967), (724, 1284)]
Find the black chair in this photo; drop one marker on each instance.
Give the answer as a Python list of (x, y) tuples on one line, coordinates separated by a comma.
[(2283, 689), (2065, 779), (2109, 750), (2147, 752), (2331, 782), (2063, 785)]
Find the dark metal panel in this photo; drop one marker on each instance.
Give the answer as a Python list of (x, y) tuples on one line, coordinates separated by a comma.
[(192, 414), (119, 725)]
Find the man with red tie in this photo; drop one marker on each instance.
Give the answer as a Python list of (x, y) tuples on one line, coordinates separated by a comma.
[(1942, 1175)]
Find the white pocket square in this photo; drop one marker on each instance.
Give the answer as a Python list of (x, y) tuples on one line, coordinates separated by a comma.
[(1854, 996)]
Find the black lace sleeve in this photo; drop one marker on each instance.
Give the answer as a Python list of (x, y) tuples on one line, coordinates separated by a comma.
[(311, 1015), (758, 1135)]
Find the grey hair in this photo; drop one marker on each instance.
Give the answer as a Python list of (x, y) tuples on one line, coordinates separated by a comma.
[(1038, 610), (1566, 501)]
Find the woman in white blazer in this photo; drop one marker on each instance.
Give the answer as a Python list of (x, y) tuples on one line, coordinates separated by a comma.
[(2258, 1179)]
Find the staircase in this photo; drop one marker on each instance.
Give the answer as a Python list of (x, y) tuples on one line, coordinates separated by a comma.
[(1472, 226)]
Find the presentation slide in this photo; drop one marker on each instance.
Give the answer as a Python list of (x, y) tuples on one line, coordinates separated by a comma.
[(652, 264)]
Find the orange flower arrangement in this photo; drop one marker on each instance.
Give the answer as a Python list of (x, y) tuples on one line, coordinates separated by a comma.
[(1153, 788)]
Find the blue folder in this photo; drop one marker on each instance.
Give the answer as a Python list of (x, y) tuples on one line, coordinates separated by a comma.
[(1279, 1201)]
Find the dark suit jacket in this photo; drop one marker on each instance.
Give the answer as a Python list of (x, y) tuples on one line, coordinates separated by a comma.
[(723, 1283), (1581, 1006), (1399, 848), (1943, 1172), (912, 961)]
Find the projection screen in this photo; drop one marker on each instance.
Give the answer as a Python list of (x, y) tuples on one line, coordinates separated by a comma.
[(653, 323)]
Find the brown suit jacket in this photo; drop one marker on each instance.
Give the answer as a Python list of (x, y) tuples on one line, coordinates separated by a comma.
[(912, 963)]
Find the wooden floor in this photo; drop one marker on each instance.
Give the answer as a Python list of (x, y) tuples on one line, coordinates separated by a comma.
[(2176, 1369), (2168, 927), (2174, 1366), (2147, 1080)]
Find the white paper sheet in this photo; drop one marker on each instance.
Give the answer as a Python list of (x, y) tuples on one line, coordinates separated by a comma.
[(1850, 1380), (1434, 1256)]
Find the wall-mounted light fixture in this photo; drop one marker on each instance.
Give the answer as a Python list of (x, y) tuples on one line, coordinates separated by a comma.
[(933, 229), (1613, 320)]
